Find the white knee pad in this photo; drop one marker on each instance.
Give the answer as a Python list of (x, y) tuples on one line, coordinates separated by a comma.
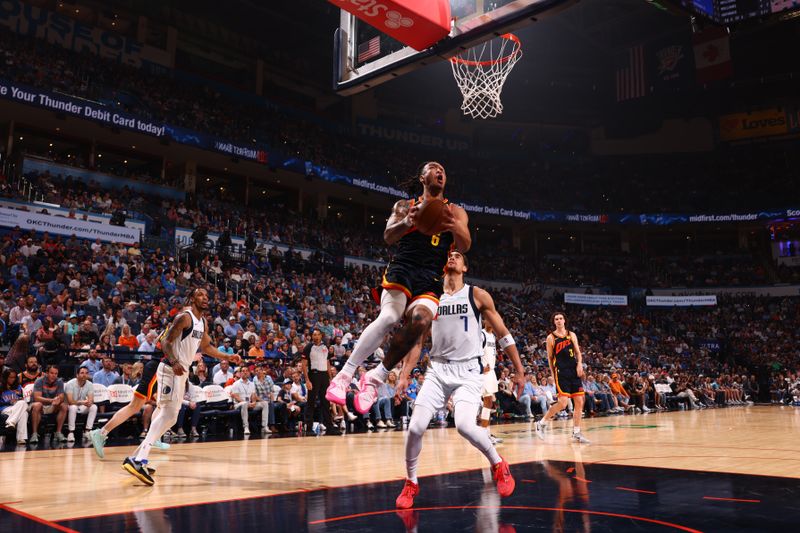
[(393, 306)]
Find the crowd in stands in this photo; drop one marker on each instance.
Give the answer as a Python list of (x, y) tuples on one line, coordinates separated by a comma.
[(713, 182), (710, 270), (703, 353), (282, 225), (72, 304), (95, 310)]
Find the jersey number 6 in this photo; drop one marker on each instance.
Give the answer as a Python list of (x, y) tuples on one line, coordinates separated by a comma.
[(435, 239)]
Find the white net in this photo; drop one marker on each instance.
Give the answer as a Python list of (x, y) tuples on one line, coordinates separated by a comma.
[(481, 72)]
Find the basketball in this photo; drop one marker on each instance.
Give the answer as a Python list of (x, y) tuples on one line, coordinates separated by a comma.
[(430, 216)]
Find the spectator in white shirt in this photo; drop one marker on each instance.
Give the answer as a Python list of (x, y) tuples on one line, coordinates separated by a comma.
[(80, 400), (32, 323), (338, 348), (298, 390), (95, 300), (224, 373), (149, 345), (246, 400), (29, 248), (141, 337), (250, 335), (18, 312)]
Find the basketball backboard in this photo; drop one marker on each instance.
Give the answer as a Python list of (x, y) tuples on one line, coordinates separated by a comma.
[(364, 57)]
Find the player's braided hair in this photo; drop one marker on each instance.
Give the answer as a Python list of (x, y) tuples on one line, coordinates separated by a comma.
[(411, 184)]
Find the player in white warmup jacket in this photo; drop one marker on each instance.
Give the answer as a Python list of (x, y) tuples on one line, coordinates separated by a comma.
[(187, 335), (456, 371), (489, 377)]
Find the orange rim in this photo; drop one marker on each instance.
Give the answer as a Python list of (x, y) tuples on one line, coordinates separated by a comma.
[(515, 52)]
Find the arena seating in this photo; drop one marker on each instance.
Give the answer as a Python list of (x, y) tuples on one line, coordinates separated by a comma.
[(62, 297), (563, 177)]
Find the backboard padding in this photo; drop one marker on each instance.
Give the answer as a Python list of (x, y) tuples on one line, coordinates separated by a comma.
[(475, 21)]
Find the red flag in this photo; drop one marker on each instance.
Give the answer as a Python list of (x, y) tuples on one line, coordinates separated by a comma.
[(712, 55)]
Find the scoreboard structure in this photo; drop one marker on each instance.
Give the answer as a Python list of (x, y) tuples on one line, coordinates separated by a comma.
[(732, 11)]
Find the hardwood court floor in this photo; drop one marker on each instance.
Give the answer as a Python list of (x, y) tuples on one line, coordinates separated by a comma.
[(68, 483)]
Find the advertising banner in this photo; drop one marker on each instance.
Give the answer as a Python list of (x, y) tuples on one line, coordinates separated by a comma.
[(106, 181), (301, 166), (60, 30), (118, 119), (138, 226), (595, 299), (681, 301), (83, 229), (418, 137), (259, 153), (712, 345), (771, 291), (739, 126)]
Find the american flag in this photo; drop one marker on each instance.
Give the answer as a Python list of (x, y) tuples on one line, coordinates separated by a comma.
[(369, 49), (630, 74)]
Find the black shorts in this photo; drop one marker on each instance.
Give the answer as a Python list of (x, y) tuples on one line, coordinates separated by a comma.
[(147, 386), (568, 384), (415, 283)]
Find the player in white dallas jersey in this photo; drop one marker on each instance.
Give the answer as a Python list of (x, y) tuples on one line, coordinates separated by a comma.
[(187, 335), (489, 360), (456, 372)]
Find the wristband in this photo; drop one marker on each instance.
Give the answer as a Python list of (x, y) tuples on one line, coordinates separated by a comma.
[(506, 341)]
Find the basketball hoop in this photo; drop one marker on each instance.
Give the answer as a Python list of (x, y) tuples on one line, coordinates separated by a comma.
[(481, 72)]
